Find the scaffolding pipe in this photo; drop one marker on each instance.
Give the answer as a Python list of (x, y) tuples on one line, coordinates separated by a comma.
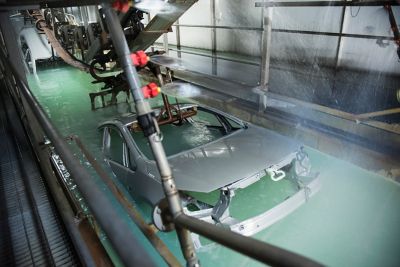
[(144, 111), (265, 57), (253, 248)]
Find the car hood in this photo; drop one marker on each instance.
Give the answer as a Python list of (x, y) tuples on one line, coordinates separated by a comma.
[(229, 159)]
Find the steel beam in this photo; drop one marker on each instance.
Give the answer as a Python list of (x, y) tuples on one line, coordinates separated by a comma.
[(349, 35), (265, 56), (338, 49), (213, 38), (178, 35)]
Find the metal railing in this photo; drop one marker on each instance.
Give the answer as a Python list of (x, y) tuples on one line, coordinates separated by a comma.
[(118, 231)]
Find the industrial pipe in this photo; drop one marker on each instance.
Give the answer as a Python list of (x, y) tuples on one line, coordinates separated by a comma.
[(250, 247), (150, 128)]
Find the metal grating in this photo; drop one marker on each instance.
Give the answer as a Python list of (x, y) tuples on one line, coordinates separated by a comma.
[(31, 232)]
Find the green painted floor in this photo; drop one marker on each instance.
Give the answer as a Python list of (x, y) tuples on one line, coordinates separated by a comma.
[(354, 220)]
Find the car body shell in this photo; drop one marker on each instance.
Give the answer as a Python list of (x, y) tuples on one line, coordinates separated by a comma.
[(226, 161)]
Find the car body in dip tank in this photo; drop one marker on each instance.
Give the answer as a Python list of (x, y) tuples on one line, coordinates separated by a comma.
[(209, 151)]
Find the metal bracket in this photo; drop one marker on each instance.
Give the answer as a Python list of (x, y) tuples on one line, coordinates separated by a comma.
[(221, 209), (162, 217), (302, 165)]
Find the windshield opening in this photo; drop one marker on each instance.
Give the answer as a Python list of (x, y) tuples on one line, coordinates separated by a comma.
[(203, 128)]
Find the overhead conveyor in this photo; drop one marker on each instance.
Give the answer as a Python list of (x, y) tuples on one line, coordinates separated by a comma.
[(160, 24), (63, 53)]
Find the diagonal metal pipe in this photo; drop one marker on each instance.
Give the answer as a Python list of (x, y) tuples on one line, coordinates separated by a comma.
[(263, 252), (150, 128)]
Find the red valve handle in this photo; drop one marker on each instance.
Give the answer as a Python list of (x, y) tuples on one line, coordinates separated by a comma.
[(151, 90), (139, 58)]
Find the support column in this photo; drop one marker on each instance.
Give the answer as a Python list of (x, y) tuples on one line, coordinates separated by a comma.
[(335, 70), (178, 38), (165, 43), (265, 55), (150, 127), (213, 38)]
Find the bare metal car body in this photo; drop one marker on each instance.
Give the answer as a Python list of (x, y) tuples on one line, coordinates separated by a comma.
[(240, 157)]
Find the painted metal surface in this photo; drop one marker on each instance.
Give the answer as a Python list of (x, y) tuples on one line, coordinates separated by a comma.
[(38, 45), (160, 24), (246, 152), (220, 163)]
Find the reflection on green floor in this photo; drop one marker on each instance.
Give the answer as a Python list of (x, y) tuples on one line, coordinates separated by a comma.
[(353, 221)]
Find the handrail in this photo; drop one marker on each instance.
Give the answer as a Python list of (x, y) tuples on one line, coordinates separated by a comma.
[(126, 244), (248, 246)]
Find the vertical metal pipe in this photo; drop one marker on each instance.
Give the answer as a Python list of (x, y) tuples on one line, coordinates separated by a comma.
[(84, 16), (266, 46), (265, 55), (335, 70), (213, 37), (80, 15), (178, 38), (395, 28), (148, 21), (213, 29), (173, 198), (143, 108), (165, 43), (86, 12)]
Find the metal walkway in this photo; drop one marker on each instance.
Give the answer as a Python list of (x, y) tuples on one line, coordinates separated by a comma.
[(31, 232)]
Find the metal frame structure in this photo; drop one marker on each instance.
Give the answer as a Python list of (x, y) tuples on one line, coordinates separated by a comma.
[(266, 34), (264, 63), (130, 251), (122, 239)]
